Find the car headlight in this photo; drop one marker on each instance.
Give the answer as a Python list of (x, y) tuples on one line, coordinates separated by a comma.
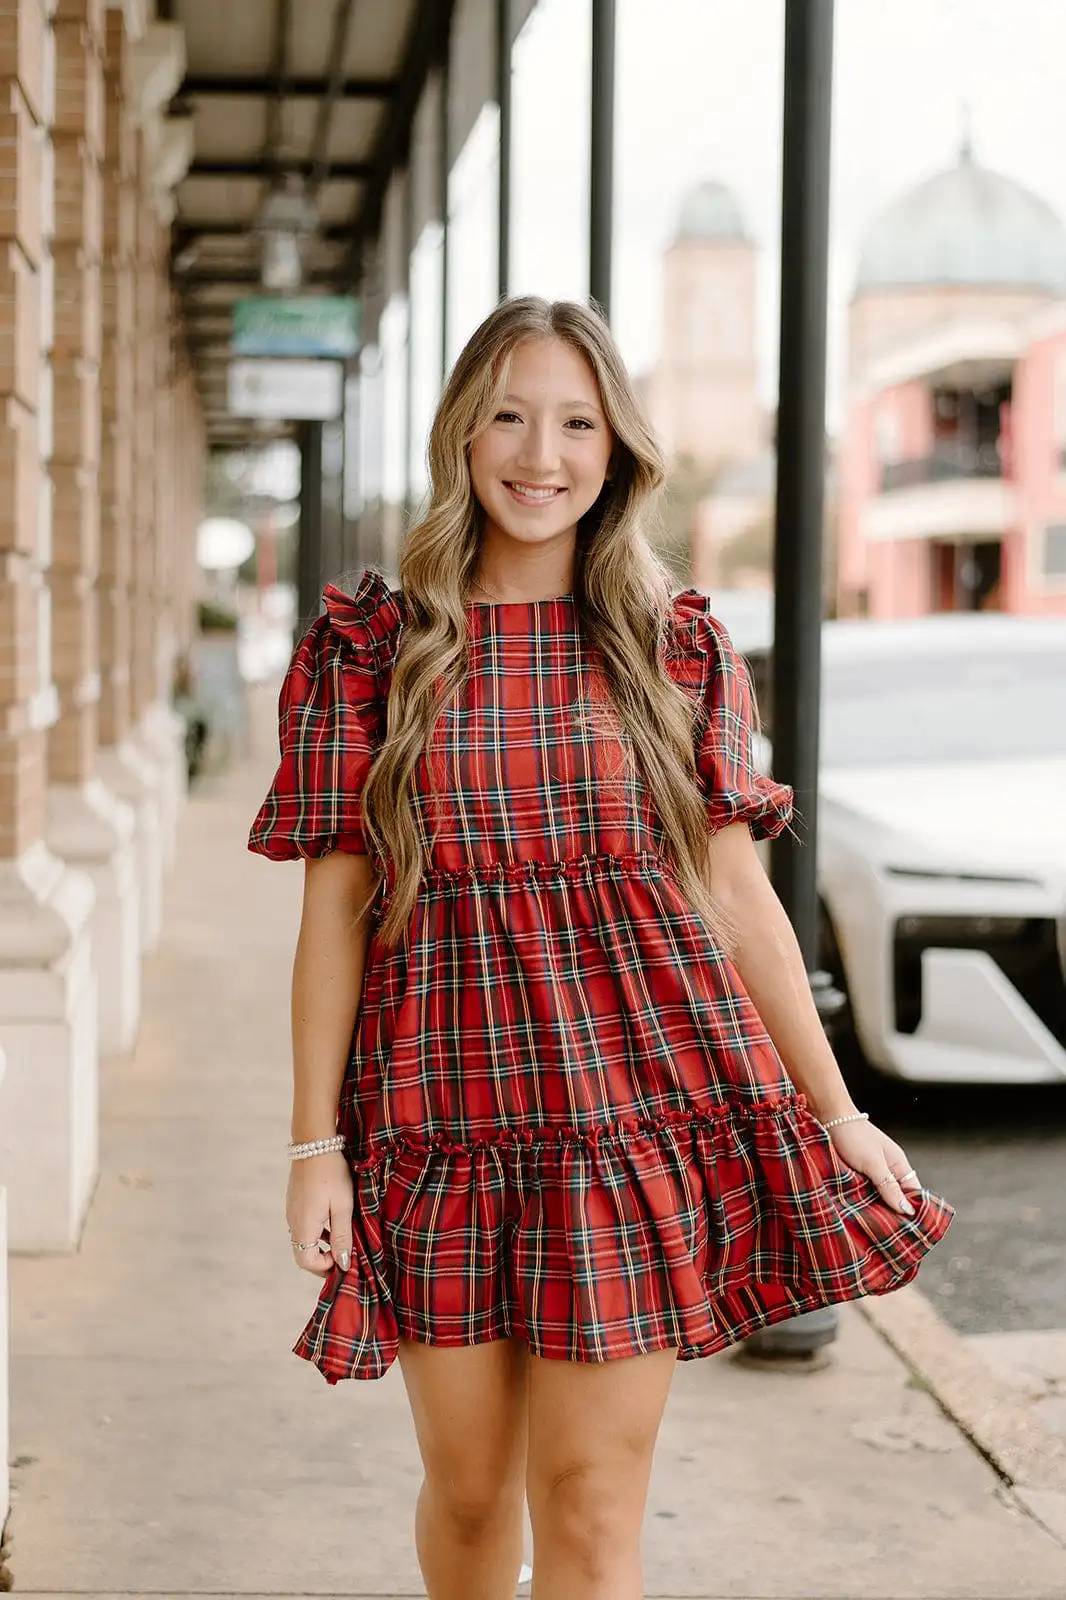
[(947, 875)]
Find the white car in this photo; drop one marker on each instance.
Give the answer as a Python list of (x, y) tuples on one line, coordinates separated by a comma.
[(942, 843)]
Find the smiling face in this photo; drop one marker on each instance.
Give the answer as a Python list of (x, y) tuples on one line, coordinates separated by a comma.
[(541, 462)]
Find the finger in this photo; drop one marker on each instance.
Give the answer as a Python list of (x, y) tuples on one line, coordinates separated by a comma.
[(318, 1262), (892, 1192), (906, 1175), (340, 1236)]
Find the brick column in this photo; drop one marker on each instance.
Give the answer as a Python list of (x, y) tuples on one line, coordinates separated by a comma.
[(188, 486), (116, 395), (87, 825), (47, 992), (146, 377), (77, 139), (23, 611), (163, 729), (141, 75)]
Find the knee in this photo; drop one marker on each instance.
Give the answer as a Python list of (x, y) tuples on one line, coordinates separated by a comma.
[(580, 1511), (473, 1508)]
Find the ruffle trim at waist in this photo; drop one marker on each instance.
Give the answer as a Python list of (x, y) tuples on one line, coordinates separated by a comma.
[(621, 1131), (492, 874)]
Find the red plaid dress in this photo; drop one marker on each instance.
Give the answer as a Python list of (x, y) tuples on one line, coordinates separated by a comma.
[(566, 1122)]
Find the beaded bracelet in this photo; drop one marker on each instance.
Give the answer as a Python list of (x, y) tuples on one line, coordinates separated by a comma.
[(855, 1116), (316, 1147)]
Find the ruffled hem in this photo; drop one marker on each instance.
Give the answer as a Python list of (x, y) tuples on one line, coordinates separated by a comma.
[(687, 1231)]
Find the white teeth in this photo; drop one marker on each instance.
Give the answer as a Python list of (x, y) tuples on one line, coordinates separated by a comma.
[(533, 494)]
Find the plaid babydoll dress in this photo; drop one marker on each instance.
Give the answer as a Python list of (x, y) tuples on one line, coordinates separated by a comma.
[(565, 1120)]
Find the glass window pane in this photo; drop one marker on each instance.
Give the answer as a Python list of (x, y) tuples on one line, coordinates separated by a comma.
[(427, 298), (473, 230), (551, 108)]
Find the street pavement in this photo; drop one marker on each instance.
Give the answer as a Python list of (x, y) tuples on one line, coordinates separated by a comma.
[(167, 1444), (999, 1154)]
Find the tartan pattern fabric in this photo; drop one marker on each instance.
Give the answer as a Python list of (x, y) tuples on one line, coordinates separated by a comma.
[(565, 1119)]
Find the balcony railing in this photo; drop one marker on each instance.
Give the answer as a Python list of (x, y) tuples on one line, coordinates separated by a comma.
[(945, 462)]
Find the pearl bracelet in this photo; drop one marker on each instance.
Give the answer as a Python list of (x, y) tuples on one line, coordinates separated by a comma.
[(855, 1116), (316, 1147)]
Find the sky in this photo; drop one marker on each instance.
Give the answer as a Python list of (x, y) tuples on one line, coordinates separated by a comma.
[(698, 96)]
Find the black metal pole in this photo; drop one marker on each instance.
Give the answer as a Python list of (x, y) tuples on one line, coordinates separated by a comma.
[(796, 683), (309, 551), (601, 156), (801, 449), (504, 45)]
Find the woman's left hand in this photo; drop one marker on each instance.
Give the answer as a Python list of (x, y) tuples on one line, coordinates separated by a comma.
[(863, 1147)]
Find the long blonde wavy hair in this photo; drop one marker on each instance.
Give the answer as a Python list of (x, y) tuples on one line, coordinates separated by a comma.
[(622, 592)]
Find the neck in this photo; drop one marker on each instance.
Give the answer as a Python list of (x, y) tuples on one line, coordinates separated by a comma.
[(527, 576)]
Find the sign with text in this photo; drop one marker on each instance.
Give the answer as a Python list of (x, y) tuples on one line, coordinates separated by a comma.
[(286, 391), (300, 325)]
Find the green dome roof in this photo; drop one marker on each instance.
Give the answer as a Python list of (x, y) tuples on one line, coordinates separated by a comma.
[(710, 212), (966, 226)]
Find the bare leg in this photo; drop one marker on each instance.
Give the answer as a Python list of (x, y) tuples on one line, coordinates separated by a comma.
[(592, 1432), (469, 1409)]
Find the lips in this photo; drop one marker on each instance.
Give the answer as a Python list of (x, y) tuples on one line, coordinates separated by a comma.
[(532, 494)]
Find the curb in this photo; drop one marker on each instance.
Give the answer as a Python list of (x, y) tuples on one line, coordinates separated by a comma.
[(987, 1411)]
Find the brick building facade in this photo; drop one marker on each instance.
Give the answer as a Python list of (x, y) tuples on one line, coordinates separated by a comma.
[(100, 448)]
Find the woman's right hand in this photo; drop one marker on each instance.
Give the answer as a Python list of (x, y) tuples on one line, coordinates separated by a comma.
[(318, 1209)]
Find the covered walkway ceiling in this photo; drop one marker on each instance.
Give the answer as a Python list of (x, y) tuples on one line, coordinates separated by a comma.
[(323, 91)]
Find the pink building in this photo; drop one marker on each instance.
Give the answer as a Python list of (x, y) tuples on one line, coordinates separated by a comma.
[(952, 469)]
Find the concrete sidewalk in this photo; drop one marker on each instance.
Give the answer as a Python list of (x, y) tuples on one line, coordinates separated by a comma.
[(166, 1442)]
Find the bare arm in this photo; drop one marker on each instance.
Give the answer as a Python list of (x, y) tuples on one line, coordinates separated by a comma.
[(768, 959), (327, 985)]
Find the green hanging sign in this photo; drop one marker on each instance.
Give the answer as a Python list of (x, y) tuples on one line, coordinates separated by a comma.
[(299, 325)]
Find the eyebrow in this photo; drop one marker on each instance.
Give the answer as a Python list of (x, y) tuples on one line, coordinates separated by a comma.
[(566, 405)]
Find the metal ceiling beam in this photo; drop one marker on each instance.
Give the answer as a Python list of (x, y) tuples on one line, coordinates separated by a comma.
[(302, 88), (256, 167), (215, 228), (279, 72), (426, 44), (239, 276), (338, 53)]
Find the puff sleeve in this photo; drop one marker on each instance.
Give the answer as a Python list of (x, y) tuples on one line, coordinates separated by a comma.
[(331, 722), (716, 674)]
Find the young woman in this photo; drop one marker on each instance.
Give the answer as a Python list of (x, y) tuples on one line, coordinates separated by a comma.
[(563, 1110)]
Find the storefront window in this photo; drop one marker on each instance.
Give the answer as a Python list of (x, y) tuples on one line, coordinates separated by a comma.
[(551, 108), (371, 430), (427, 333), (473, 230), (392, 334)]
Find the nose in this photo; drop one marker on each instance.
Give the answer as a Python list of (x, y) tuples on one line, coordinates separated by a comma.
[(540, 449)]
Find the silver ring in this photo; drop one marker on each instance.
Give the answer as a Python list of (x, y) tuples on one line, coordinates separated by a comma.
[(316, 1244), (909, 1174), (889, 1177)]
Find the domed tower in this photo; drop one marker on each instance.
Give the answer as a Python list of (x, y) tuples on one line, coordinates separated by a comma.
[(967, 240), (704, 392), (950, 432)]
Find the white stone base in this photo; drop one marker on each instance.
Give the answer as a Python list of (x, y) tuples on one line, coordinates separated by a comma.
[(136, 780), (162, 736), (48, 1032), (90, 829)]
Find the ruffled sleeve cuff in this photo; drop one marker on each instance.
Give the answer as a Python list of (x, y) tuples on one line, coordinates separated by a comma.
[(331, 722), (709, 665)]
